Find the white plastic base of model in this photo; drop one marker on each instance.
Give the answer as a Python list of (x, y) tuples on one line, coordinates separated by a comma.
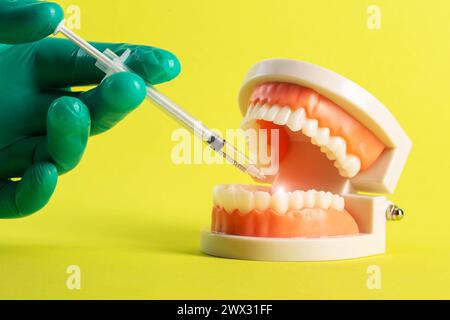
[(369, 213)]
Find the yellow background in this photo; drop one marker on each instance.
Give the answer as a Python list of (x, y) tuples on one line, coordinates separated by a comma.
[(131, 219)]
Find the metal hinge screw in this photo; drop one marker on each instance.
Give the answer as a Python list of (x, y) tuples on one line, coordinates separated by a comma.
[(394, 213)]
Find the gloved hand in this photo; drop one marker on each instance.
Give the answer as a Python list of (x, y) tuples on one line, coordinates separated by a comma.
[(44, 127)]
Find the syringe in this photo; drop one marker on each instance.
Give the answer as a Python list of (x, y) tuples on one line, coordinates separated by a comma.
[(110, 63)]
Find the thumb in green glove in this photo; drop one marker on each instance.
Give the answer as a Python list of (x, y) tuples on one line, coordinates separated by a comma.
[(44, 129)]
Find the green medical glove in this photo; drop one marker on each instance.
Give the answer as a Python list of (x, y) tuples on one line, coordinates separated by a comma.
[(44, 127)]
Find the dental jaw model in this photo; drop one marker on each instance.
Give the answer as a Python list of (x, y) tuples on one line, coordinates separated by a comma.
[(337, 144)]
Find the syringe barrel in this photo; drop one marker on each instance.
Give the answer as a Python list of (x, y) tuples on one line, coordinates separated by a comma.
[(184, 118)]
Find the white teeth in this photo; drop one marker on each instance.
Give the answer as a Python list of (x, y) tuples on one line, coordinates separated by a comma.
[(351, 165), (330, 155), (322, 137), (250, 116), (272, 113), (280, 202), (255, 112), (262, 112), (338, 203), (296, 200), (217, 195), (334, 147), (310, 199), (229, 202), (246, 199), (262, 200), (250, 112), (283, 116), (343, 173), (297, 120), (338, 147), (310, 128), (324, 200)]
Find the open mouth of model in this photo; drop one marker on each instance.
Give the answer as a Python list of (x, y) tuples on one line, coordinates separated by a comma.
[(321, 148)]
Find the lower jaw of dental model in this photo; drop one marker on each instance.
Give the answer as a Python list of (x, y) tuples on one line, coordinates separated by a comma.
[(260, 213), (321, 147)]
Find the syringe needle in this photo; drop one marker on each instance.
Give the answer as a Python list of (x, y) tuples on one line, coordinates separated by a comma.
[(110, 63), (243, 164)]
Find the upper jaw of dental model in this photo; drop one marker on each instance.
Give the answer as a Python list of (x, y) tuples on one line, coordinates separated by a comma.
[(297, 121), (246, 199)]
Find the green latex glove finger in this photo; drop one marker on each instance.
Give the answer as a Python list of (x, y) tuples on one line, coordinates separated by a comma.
[(60, 63), (32, 193), (68, 128), (25, 21), (18, 157), (113, 100)]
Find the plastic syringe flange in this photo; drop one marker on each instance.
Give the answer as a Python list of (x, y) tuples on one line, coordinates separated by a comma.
[(117, 63)]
